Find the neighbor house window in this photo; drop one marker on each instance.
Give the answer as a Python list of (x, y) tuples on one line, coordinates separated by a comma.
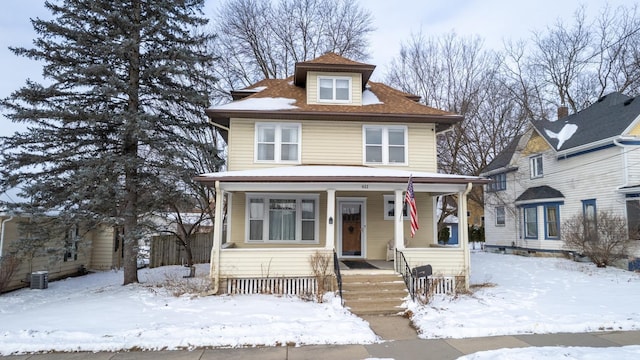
[(552, 221), (498, 182), (390, 208), (385, 145), (282, 218), (500, 216), (530, 214), (277, 142), (535, 166), (590, 219), (71, 240), (335, 89), (633, 218)]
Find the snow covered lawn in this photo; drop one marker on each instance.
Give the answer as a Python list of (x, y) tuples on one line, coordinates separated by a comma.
[(526, 295)]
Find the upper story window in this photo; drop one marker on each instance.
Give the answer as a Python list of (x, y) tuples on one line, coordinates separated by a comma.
[(277, 142), (535, 166), (385, 145), (498, 182), (334, 89)]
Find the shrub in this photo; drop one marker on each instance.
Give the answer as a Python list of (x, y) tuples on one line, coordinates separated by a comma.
[(603, 239)]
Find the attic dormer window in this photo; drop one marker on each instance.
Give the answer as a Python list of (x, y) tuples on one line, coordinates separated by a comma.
[(334, 89)]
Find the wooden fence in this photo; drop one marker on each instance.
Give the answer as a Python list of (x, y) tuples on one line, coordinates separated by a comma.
[(166, 250)]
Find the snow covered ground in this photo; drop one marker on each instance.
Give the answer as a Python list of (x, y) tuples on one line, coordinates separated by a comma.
[(520, 295)]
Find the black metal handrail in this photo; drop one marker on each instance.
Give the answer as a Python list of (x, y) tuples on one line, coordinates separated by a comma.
[(402, 266), (336, 270)]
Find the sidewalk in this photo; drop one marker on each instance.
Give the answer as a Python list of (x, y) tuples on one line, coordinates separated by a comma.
[(441, 349)]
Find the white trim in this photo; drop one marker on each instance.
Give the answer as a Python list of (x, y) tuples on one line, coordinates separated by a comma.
[(363, 224), (265, 219), (277, 142), (385, 144), (334, 88), (533, 169)]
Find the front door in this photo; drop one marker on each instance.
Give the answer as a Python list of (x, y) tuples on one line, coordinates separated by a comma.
[(351, 228)]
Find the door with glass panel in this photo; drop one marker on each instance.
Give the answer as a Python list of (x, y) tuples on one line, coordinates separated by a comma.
[(351, 226)]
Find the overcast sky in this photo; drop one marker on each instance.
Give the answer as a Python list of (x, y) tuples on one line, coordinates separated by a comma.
[(493, 20)]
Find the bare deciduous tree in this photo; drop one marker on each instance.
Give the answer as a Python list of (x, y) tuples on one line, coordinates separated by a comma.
[(264, 39), (603, 239)]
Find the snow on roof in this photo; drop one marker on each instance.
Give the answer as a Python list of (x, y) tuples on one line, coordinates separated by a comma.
[(563, 135), (369, 98), (332, 171), (264, 103)]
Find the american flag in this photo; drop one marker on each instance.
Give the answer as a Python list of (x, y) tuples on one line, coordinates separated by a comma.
[(410, 200)]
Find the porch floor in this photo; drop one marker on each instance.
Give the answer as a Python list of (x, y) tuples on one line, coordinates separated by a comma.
[(379, 264)]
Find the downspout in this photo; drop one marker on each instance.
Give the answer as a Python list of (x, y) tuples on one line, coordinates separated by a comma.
[(463, 223), (625, 161), (217, 237), (2, 233)]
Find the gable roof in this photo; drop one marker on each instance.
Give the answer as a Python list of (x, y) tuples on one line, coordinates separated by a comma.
[(503, 159), (607, 118), (284, 99)]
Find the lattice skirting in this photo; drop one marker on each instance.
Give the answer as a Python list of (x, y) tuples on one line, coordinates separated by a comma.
[(299, 286)]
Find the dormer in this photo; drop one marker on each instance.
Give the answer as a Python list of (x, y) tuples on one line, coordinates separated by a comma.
[(332, 79)]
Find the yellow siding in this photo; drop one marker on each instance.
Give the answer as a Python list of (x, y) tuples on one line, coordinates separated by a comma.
[(267, 262), (535, 145), (635, 131), (312, 87), (103, 248), (445, 261), (332, 142)]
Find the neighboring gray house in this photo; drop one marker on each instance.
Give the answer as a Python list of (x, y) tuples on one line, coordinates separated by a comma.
[(580, 163)]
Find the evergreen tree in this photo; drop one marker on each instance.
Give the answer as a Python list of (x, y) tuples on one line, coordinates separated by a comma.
[(125, 83)]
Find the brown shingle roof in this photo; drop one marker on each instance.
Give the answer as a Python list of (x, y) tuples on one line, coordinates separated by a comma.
[(395, 106)]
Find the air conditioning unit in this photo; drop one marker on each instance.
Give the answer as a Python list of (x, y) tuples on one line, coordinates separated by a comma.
[(39, 280)]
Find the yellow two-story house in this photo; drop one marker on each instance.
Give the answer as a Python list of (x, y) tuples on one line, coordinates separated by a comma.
[(319, 163)]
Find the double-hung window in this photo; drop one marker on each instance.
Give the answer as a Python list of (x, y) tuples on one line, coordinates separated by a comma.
[(334, 89), (552, 221), (282, 218), (385, 145), (535, 166), (590, 219), (530, 222), (500, 216), (498, 182), (277, 142)]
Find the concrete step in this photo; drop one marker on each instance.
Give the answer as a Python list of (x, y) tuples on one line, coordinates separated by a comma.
[(374, 294)]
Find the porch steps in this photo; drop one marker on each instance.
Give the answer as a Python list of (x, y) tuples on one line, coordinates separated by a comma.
[(373, 293)]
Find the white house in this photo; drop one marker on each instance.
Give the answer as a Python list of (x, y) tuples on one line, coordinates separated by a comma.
[(579, 164)]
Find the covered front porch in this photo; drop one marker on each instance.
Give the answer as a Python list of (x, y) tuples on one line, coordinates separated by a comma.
[(277, 219)]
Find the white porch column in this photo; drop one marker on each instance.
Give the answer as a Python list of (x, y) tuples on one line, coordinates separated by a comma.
[(463, 233), (331, 219), (398, 228), (217, 238)]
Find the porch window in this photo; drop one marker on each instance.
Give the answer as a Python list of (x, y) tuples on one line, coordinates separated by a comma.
[(390, 208), (334, 89), (531, 222), (282, 218), (385, 144), (535, 166), (277, 142)]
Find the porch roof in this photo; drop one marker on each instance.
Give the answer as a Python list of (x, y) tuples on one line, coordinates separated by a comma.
[(335, 174)]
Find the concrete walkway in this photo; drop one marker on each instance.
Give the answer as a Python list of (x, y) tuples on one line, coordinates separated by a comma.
[(401, 343)]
